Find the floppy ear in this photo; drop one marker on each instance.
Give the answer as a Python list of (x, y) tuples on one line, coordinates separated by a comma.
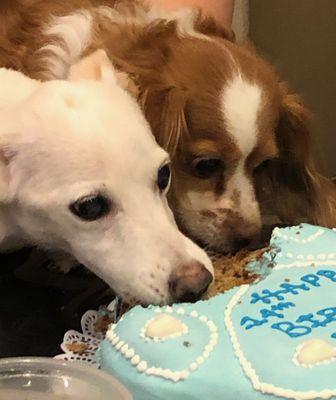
[(164, 109), (98, 67), (299, 191)]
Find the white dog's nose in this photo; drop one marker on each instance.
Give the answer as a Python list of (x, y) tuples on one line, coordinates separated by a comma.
[(189, 282)]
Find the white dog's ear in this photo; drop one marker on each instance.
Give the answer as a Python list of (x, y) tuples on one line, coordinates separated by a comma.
[(97, 66)]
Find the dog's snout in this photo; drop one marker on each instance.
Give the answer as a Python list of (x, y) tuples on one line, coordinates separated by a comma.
[(189, 282)]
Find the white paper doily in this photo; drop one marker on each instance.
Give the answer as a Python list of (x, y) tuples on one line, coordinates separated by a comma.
[(88, 336)]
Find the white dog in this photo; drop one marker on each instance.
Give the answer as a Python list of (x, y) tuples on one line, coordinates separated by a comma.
[(81, 173)]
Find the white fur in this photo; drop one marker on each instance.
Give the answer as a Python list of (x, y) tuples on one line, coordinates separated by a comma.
[(241, 101), (71, 34), (185, 18), (64, 140)]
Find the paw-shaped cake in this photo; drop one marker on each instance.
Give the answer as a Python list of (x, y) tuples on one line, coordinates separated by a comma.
[(273, 339)]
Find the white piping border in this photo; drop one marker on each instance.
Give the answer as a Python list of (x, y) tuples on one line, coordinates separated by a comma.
[(142, 365), (277, 233)]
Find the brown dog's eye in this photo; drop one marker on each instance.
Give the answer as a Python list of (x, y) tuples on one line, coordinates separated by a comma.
[(263, 165), (207, 167), (91, 208)]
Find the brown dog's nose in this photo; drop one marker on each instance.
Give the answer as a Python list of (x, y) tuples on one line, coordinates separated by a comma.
[(248, 242), (188, 282)]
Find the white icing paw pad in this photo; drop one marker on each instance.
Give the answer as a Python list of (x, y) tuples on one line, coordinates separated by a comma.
[(165, 326), (314, 352)]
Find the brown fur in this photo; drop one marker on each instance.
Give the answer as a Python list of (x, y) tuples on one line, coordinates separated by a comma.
[(179, 82)]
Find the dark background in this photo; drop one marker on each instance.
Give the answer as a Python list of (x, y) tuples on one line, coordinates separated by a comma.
[(299, 38), (38, 305)]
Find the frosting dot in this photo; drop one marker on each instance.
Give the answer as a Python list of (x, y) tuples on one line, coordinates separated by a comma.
[(203, 318), (208, 348), (142, 366), (115, 340), (135, 360), (193, 367), (200, 360), (194, 314), (150, 371), (129, 353), (120, 345), (184, 374), (111, 335), (180, 311), (124, 348), (206, 354)]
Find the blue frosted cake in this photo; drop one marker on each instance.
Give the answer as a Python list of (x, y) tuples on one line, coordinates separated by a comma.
[(273, 339)]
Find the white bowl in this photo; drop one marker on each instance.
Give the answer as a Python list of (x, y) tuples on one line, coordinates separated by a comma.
[(48, 379)]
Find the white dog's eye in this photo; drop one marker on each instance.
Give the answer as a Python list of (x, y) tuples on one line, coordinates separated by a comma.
[(91, 208), (163, 177)]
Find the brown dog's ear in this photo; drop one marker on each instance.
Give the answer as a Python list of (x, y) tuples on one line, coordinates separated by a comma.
[(165, 111), (299, 192), (210, 26)]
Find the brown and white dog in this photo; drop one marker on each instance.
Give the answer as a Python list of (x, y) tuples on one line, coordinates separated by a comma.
[(238, 138)]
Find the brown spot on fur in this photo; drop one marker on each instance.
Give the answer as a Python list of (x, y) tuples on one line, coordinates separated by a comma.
[(208, 214)]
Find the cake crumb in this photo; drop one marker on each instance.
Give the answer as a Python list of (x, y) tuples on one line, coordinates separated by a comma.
[(230, 271), (102, 324), (77, 347)]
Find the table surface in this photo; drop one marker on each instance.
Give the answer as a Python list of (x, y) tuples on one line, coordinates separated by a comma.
[(38, 305)]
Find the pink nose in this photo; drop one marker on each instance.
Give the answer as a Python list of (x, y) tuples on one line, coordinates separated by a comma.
[(188, 282)]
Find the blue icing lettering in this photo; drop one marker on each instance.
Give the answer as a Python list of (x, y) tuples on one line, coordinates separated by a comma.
[(309, 318), (266, 296), (327, 274), (304, 324), (294, 289), (266, 314), (329, 314), (291, 329), (283, 306), (312, 279), (254, 322)]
